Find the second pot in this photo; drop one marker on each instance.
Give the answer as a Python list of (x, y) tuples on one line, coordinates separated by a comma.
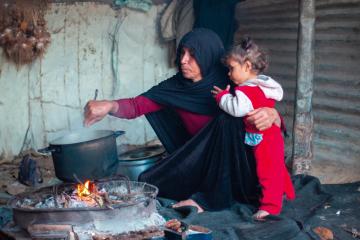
[(132, 163)]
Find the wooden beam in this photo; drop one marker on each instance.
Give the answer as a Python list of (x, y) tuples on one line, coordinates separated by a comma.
[(303, 117)]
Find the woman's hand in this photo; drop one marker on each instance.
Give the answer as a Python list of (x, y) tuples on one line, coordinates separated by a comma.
[(94, 111), (263, 118), (218, 90)]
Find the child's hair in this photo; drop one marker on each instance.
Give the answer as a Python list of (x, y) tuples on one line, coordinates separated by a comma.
[(248, 50)]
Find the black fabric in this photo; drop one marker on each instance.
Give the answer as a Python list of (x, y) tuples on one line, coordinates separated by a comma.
[(217, 16), (169, 128), (215, 167), (341, 213), (179, 92), (335, 207)]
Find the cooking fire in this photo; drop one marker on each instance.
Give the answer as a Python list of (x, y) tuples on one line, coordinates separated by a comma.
[(84, 189), (83, 195), (107, 207)]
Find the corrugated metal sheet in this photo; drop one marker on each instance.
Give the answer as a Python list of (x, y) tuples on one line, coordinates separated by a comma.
[(274, 26), (336, 100)]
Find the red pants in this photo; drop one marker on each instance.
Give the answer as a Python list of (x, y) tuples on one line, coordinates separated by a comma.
[(271, 171)]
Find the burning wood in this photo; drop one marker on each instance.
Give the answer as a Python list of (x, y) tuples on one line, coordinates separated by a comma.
[(103, 207), (88, 192), (82, 195), (84, 189)]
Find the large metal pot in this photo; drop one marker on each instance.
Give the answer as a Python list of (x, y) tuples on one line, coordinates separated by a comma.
[(84, 155), (132, 163)]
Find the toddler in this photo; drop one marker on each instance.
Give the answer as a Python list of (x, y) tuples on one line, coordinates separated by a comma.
[(246, 62)]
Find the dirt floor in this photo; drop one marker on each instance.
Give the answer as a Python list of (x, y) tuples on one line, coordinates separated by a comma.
[(331, 173), (9, 170), (327, 172)]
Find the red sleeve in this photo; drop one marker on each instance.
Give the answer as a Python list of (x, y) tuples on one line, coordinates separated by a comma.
[(130, 108)]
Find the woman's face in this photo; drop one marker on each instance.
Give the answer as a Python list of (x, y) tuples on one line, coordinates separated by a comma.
[(238, 73), (189, 67)]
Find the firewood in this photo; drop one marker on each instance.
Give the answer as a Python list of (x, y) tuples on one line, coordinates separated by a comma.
[(67, 201)]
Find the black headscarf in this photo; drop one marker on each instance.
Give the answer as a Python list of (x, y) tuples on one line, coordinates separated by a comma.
[(196, 97), (179, 92)]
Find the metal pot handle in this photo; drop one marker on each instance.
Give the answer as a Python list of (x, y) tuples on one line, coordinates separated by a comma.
[(118, 133), (46, 150)]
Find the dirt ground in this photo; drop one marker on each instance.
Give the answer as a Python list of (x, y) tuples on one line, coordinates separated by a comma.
[(9, 170), (327, 172), (332, 173)]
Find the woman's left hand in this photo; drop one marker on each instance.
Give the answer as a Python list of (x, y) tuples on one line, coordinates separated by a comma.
[(264, 118)]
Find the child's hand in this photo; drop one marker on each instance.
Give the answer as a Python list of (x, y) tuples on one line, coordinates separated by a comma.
[(260, 214), (218, 90)]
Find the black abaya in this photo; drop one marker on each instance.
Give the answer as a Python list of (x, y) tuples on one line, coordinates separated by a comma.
[(215, 168)]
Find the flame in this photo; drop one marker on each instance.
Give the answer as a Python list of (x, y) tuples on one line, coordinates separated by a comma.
[(84, 190)]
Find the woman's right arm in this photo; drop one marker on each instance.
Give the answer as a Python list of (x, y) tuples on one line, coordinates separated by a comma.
[(263, 118), (128, 108)]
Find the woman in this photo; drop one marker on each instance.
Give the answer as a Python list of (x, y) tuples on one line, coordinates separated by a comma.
[(185, 117)]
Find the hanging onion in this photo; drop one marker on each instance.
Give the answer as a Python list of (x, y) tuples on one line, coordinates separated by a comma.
[(23, 33), (40, 46)]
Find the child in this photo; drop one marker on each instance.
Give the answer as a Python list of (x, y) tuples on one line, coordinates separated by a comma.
[(246, 62)]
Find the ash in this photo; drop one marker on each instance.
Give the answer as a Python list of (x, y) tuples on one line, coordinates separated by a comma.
[(104, 197), (122, 189), (112, 226), (62, 201), (115, 227)]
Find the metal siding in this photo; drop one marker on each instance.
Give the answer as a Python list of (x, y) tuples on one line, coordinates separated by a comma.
[(336, 99), (274, 26)]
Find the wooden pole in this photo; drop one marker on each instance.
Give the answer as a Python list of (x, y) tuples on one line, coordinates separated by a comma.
[(303, 117)]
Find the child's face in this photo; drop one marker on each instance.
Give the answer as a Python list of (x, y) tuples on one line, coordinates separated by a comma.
[(238, 73)]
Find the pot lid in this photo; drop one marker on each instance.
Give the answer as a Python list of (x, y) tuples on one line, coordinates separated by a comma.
[(80, 136), (142, 153)]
